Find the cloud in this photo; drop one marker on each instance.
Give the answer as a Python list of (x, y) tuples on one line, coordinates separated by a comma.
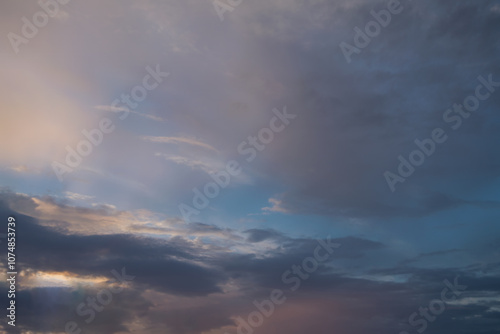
[(105, 219), (258, 235), (208, 167), (112, 108), (25, 169), (127, 110), (495, 9), (277, 206), (178, 141), (78, 197)]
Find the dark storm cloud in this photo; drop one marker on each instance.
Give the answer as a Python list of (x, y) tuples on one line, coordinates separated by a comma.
[(266, 272), (258, 235), (431, 254), (157, 261), (356, 119), (47, 310), (193, 320)]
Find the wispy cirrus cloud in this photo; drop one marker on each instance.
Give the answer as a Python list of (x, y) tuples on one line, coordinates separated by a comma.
[(208, 166), (25, 169), (114, 109), (179, 141)]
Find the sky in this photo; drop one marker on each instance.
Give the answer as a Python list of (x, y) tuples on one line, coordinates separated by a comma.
[(280, 166)]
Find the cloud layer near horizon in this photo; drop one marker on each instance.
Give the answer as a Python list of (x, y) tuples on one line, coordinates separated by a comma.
[(201, 285)]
